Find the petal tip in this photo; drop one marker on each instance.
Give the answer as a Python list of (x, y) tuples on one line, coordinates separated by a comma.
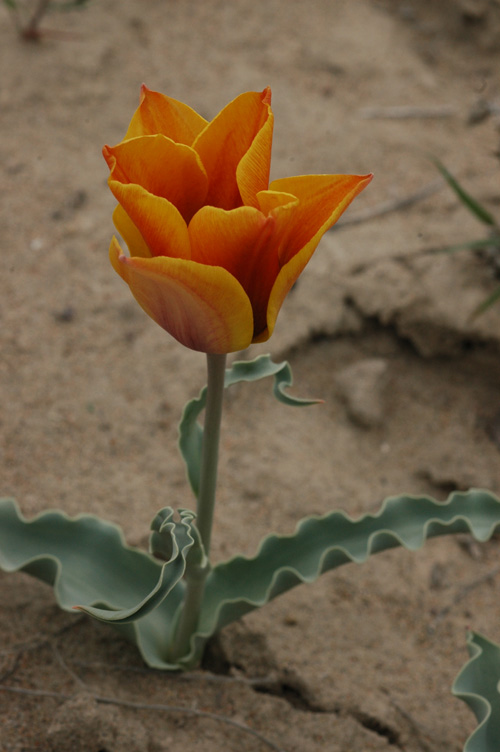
[(108, 156), (266, 95)]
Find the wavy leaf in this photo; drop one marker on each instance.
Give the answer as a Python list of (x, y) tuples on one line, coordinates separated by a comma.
[(319, 544), (191, 432), (87, 561), (171, 541), (477, 684)]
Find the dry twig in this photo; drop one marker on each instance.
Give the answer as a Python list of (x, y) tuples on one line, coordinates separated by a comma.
[(146, 706), (49, 640), (419, 732), (403, 112), (391, 205), (269, 681)]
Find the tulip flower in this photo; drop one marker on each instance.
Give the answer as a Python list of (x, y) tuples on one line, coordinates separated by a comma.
[(214, 248)]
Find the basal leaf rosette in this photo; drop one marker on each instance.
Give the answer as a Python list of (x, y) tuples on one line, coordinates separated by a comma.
[(213, 247)]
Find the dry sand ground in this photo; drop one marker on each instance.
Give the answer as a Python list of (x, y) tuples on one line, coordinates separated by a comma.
[(91, 390)]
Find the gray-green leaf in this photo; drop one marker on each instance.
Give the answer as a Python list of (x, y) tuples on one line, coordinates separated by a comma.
[(191, 432), (88, 563), (478, 685)]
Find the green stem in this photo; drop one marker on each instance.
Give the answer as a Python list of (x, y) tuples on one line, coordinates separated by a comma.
[(196, 575), (190, 614), (216, 369)]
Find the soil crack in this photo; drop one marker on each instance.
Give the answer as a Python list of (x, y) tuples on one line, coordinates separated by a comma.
[(233, 654), (293, 690), (372, 723)]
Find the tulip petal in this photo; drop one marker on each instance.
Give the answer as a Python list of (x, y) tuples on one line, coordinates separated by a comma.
[(164, 168), (281, 207), (162, 227), (225, 141), (252, 173), (282, 286), (158, 113), (268, 201), (332, 196), (203, 307), (322, 200), (214, 249), (243, 242), (136, 244)]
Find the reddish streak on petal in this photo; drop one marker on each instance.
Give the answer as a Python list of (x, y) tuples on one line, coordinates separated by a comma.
[(243, 242), (296, 262), (322, 200)]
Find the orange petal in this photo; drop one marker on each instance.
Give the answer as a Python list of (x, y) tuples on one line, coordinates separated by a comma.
[(282, 286), (268, 201), (164, 168), (136, 244), (225, 141), (242, 241), (252, 173), (331, 203), (281, 207), (322, 200), (160, 114), (157, 220), (203, 307)]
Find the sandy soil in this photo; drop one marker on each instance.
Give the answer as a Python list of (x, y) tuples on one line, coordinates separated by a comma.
[(92, 390)]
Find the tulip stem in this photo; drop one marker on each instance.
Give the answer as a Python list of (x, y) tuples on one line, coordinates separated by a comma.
[(195, 576), (216, 370)]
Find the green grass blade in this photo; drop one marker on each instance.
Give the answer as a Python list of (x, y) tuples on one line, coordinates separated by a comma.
[(490, 300), (471, 245), (474, 206)]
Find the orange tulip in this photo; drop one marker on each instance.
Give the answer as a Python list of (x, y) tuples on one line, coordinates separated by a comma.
[(214, 249)]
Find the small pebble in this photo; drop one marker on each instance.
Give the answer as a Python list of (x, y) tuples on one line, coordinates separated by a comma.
[(362, 387), (65, 315)]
